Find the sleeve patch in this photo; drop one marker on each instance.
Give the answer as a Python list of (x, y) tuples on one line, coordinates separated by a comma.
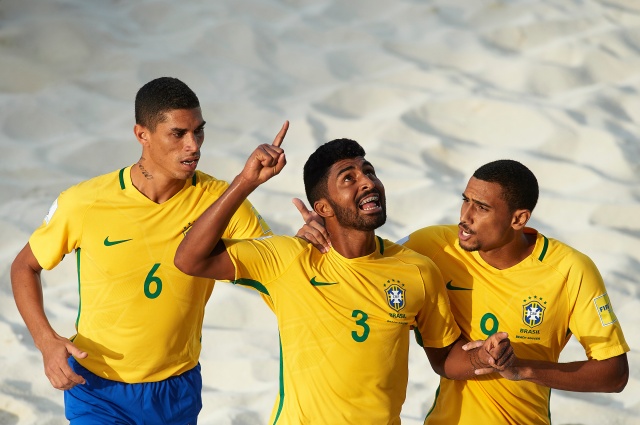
[(605, 310), (52, 210)]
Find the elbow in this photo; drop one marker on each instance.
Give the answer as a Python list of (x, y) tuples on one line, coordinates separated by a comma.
[(182, 264), (619, 382)]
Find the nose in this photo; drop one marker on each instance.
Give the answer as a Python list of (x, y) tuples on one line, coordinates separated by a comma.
[(191, 143), (366, 182), (465, 212)]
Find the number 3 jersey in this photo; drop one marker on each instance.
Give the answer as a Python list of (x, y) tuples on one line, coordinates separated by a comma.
[(344, 325), (139, 317), (555, 292)]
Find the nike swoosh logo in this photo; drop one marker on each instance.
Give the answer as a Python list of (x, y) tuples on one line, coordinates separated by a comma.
[(107, 242), (314, 282), (457, 288)]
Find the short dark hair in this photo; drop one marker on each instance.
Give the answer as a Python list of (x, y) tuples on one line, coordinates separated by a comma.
[(162, 95), (519, 184), (317, 166)]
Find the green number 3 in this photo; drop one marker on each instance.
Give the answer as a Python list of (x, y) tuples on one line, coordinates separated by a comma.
[(360, 322), (152, 279)]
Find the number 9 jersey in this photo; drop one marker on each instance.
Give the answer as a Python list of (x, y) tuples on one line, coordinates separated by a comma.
[(540, 302)]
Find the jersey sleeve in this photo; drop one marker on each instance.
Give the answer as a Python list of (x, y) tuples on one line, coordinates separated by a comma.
[(247, 223), (258, 262), (59, 233), (593, 321), (435, 324)]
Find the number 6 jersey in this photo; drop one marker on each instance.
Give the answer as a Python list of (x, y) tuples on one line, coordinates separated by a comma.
[(139, 317)]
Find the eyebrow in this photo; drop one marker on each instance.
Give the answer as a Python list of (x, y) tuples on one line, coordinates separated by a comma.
[(484, 204), (185, 130), (351, 167)]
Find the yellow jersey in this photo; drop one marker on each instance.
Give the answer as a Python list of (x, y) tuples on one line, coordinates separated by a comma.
[(344, 325), (540, 302), (139, 317)]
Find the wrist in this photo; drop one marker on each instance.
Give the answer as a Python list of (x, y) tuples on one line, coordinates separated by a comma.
[(242, 185)]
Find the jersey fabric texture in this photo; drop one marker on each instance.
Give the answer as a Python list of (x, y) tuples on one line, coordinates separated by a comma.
[(140, 318), (173, 401), (553, 293), (344, 325)]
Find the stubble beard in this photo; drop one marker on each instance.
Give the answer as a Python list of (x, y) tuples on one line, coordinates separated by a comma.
[(347, 218)]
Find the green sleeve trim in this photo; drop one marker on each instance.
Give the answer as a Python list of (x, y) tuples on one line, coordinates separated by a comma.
[(418, 337), (121, 177), (544, 248), (252, 284), (79, 297)]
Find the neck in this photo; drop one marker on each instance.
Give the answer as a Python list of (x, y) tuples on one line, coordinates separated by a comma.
[(512, 253), (157, 187), (351, 243)]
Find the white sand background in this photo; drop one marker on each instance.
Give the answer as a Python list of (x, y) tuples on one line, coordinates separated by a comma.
[(431, 89)]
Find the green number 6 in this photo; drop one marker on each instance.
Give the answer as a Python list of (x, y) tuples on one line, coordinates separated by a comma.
[(152, 279)]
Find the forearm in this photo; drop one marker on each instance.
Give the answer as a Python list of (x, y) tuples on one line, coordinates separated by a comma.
[(194, 254), (609, 375), (27, 294), (451, 362)]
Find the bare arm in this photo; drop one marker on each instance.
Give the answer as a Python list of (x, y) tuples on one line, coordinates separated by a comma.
[(610, 375), (27, 292), (453, 362), (201, 252)]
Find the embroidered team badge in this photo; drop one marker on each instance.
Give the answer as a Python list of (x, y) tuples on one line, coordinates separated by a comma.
[(533, 311), (395, 294)]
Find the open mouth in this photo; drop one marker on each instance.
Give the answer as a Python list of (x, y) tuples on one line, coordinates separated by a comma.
[(190, 161), (464, 231), (370, 202)]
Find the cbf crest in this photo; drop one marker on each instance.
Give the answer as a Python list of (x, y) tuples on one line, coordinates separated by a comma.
[(395, 294), (533, 311)]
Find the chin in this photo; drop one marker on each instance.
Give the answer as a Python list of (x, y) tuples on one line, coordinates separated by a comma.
[(469, 248)]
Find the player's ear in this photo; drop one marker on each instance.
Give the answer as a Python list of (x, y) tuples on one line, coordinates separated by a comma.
[(520, 218), (323, 208), (142, 133)]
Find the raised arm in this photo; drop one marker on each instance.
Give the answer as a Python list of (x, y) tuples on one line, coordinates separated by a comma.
[(201, 252), (55, 349)]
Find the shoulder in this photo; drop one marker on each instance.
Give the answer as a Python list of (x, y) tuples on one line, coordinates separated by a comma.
[(87, 191), (428, 238), (408, 256), (209, 183), (566, 259)]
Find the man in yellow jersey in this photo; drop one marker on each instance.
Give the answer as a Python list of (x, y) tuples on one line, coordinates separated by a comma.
[(503, 276), (344, 317), (134, 358)]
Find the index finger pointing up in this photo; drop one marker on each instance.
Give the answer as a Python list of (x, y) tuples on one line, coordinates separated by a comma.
[(280, 136)]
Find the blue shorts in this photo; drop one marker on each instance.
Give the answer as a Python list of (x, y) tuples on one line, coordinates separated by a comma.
[(176, 400)]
